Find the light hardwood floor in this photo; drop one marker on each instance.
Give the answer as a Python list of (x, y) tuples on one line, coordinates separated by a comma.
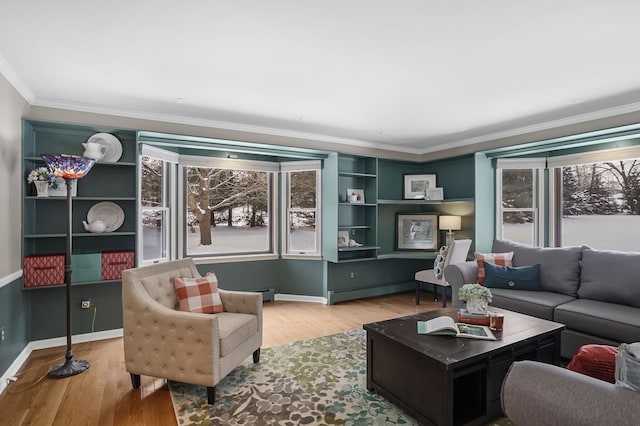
[(103, 394)]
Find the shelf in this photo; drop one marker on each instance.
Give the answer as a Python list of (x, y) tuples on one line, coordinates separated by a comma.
[(361, 248), (352, 174), (33, 197), (357, 204), (38, 287), (98, 164), (422, 201), (360, 259), (81, 234), (354, 227), (408, 255)]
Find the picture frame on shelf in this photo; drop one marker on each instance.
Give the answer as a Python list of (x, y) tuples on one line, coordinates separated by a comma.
[(416, 186), (61, 188), (435, 194), (355, 196), (417, 231), (343, 239)]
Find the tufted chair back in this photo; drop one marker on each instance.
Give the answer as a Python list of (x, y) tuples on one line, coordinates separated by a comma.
[(162, 341)]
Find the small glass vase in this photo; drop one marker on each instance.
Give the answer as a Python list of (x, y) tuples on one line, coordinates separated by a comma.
[(42, 186), (477, 306)]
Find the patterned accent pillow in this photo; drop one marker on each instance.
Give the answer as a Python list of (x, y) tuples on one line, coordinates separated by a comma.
[(198, 294), (438, 264), (502, 259)]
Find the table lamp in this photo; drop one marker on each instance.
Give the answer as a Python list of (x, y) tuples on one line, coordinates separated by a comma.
[(70, 168), (451, 223)]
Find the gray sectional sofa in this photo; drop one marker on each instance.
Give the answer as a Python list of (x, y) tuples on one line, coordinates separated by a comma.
[(595, 293)]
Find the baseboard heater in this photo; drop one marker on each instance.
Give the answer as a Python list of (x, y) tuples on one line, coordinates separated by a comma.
[(267, 294), (335, 296)]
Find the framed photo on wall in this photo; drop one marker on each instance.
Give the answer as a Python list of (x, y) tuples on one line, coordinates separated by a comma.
[(416, 186), (417, 231)]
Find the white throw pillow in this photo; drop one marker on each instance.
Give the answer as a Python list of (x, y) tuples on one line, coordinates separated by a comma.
[(438, 264)]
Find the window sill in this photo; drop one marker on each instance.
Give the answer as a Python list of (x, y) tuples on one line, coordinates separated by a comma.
[(232, 259)]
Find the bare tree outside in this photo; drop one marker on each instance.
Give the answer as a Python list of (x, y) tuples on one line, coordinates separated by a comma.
[(236, 199)]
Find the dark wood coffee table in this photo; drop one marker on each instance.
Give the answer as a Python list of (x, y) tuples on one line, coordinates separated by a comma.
[(443, 380)]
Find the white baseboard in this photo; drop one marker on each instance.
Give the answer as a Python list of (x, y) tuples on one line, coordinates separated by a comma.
[(299, 298), (17, 364)]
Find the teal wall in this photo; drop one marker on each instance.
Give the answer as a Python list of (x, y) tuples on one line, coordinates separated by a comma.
[(48, 310), (16, 320)]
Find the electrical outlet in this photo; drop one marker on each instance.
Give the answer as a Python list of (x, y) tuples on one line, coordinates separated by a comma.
[(86, 304), (1, 334), (353, 275)]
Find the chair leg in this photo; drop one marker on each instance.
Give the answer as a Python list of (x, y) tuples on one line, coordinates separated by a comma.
[(444, 296), (135, 380), (256, 356), (211, 395), (435, 292), (417, 292)]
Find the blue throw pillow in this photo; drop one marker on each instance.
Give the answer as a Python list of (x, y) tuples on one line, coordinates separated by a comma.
[(513, 277)]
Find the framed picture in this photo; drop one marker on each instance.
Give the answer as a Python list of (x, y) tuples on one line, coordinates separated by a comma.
[(343, 238), (435, 194), (416, 186), (417, 231), (355, 196)]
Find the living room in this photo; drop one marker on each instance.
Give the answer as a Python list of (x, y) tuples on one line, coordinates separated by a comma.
[(462, 155)]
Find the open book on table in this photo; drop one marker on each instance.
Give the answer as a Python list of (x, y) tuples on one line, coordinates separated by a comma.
[(446, 326)]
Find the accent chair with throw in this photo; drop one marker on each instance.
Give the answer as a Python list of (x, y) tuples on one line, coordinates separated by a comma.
[(179, 326)]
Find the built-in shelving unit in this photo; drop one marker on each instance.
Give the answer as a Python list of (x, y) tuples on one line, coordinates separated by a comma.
[(44, 218)]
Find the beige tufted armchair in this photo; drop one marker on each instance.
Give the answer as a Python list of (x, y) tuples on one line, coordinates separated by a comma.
[(201, 349)]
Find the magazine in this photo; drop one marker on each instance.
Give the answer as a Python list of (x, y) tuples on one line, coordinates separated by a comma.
[(446, 326)]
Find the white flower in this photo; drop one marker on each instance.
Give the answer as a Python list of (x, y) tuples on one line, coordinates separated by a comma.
[(41, 173), (475, 291)]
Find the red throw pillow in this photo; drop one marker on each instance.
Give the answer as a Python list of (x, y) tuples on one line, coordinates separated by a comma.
[(597, 361), (199, 294), (502, 259)]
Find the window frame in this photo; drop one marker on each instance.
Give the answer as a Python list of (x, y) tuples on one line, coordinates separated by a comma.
[(285, 171), (538, 169), (272, 168), (169, 164)]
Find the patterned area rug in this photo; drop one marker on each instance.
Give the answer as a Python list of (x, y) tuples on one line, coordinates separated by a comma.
[(311, 382)]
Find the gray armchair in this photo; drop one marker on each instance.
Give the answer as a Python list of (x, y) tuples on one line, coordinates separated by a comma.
[(201, 349)]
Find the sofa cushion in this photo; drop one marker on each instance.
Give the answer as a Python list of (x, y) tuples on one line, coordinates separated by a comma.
[(559, 266), (503, 259), (610, 276), (512, 277), (620, 323), (540, 304), (234, 329), (198, 294)]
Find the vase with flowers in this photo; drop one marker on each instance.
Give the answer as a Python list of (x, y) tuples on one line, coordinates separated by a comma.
[(41, 178), (477, 297)]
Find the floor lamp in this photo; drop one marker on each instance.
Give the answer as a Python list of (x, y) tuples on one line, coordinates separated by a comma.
[(70, 168)]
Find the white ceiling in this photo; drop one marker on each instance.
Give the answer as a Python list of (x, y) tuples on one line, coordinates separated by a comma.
[(408, 75)]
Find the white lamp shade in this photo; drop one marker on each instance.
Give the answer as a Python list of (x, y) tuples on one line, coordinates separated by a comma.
[(452, 223)]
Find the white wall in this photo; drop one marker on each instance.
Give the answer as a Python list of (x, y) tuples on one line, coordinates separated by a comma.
[(12, 108)]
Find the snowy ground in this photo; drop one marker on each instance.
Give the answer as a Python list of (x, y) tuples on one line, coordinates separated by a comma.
[(619, 232), (613, 232)]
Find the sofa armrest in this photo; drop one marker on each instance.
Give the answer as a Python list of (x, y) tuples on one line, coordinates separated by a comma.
[(538, 394), (458, 274)]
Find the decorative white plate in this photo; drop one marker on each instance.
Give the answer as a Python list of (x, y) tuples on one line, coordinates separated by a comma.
[(110, 213), (114, 147)]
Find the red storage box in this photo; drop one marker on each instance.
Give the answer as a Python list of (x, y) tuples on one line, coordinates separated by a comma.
[(114, 262), (43, 270)]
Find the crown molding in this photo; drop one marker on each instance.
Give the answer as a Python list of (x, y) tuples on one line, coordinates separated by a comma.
[(225, 125), (576, 119), (14, 79)]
